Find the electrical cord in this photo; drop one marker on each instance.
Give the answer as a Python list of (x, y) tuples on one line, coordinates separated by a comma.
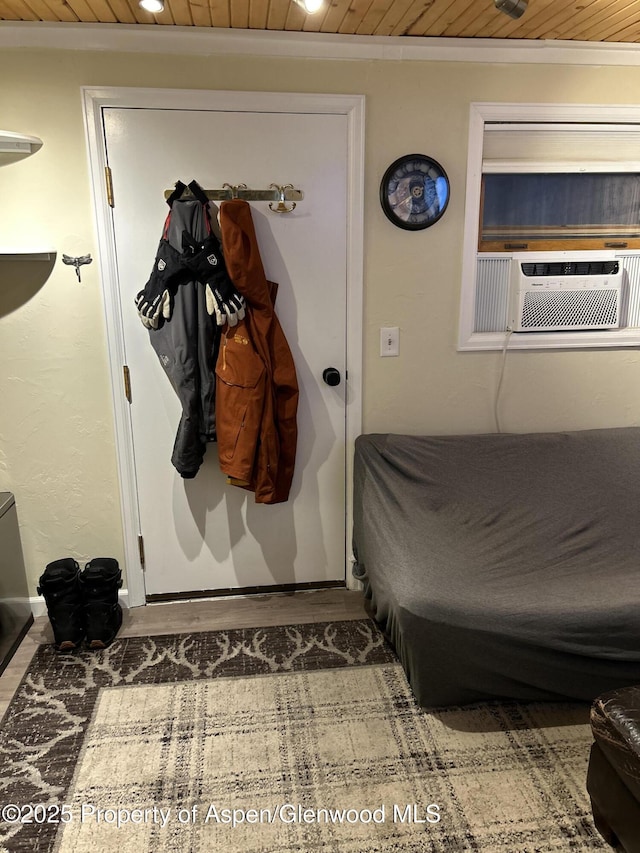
[(503, 362)]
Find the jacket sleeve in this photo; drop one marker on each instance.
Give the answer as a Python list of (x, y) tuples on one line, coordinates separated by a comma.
[(286, 394)]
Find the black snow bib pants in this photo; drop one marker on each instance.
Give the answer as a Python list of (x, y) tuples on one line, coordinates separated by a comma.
[(187, 346)]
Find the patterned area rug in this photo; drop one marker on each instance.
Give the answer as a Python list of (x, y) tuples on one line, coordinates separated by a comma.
[(301, 738)]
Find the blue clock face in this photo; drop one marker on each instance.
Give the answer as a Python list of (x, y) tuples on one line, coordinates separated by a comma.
[(414, 192)]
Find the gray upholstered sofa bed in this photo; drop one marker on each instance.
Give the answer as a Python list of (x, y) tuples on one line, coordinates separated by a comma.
[(503, 566)]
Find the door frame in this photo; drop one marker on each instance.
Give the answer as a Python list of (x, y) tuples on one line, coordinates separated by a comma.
[(352, 106)]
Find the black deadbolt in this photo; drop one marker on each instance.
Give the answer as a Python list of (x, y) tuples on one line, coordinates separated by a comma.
[(331, 376)]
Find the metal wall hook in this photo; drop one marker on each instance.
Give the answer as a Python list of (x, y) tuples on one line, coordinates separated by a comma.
[(234, 189), (282, 207), (77, 262)]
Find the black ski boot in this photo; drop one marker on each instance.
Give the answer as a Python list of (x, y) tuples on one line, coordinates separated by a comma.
[(60, 586), (100, 582)]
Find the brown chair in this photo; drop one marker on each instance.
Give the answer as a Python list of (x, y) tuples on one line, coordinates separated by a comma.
[(613, 778)]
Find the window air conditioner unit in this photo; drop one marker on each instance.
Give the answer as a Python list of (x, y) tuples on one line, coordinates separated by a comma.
[(565, 295)]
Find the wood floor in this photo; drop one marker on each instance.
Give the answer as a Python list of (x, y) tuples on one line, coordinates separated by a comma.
[(180, 617)]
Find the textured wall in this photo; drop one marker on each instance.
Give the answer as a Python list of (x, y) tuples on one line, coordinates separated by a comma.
[(56, 432)]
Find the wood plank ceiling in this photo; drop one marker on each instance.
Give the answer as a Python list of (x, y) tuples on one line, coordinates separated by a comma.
[(580, 20)]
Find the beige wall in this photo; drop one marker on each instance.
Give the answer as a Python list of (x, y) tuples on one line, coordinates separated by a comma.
[(56, 429)]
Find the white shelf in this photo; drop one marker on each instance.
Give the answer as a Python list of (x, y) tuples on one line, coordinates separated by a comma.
[(15, 254), (16, 146)]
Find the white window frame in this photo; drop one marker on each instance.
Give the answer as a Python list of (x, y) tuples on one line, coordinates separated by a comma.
[(481, 113)]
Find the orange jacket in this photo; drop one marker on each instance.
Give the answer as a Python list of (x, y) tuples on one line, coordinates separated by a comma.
[(256, 384)]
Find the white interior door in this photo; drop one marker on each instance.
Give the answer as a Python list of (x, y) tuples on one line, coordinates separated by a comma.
[(203, 534)]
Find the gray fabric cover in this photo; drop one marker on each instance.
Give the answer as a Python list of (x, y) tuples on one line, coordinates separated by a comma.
[(503, 566)]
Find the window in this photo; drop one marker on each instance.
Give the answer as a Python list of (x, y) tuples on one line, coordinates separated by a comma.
[(559, 182), (564, 186), (579, 210)]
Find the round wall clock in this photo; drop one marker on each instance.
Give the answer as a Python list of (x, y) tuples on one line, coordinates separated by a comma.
[(414, 192)]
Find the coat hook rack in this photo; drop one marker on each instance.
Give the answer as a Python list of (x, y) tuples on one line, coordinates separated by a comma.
[(276, 192)]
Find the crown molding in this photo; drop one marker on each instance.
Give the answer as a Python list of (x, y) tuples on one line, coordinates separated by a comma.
[(207, 41)]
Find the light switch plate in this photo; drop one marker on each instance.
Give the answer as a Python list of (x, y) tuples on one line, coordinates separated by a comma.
[(389, 341)]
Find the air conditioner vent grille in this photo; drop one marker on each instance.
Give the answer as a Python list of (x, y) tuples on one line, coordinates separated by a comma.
[(569, 309), (557, 268)]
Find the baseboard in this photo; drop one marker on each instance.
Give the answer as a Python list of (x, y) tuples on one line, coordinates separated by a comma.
[(39, 608), (243, 592)]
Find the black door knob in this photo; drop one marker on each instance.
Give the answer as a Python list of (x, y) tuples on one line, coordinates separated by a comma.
[(331, 376)]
